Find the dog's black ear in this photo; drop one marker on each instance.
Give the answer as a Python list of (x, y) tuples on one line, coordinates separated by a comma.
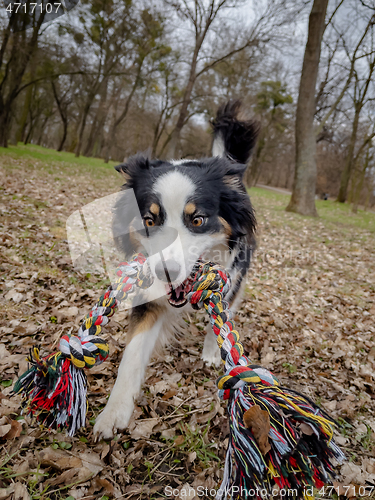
[(123, 169), (132, 164), (236, 170), (233, 176)]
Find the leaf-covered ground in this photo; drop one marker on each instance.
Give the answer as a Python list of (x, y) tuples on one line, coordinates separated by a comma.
[(308, 314)]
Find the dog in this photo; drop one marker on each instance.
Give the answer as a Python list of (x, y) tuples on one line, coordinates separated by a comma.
[(190, 210)]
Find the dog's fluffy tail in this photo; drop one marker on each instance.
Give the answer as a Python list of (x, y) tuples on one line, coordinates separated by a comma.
[(234, 137)]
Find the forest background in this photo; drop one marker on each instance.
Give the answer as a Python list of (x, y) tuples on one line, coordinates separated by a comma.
[(114, 77)]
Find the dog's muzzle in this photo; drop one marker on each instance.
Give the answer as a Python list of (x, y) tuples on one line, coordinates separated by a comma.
[(167, 271)]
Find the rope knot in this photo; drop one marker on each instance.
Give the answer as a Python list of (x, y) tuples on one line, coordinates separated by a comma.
[(84, 352), (211, 282), (136, 272), (211, 285)]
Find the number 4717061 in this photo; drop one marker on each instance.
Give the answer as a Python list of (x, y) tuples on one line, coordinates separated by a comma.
[(18, 7)]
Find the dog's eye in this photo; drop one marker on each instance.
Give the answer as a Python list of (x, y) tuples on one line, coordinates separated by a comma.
[(197, 221), (149, 222)]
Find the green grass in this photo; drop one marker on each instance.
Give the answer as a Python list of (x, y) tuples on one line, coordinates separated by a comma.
[(335, 214), (46, 159), (268, 195), (342, 213)]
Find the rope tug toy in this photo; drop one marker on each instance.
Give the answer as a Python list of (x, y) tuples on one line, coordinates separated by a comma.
[(277, 436), (54, 389)]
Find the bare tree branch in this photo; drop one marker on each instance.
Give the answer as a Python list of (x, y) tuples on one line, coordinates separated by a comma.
[(353, 60)]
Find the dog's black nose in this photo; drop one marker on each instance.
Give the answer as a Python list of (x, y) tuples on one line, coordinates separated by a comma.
[(171, 271)]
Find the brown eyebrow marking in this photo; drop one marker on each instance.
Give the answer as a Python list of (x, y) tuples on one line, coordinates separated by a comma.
[(227, 228), (190, 208), (155, 209)]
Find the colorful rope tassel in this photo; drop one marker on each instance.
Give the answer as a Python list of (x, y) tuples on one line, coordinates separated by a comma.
[(54, 389), (277, 436)]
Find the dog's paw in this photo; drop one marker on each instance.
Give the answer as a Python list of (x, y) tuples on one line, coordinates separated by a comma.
[(211, 358), (112, 419)]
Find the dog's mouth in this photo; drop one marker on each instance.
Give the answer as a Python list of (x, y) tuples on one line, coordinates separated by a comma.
[(177, 295)]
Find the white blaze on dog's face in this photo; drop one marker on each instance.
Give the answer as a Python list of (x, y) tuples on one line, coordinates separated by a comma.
[(189, 209), (175, 191)]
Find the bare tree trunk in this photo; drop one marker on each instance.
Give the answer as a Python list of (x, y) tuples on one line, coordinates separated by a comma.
[(25, 112), (42, 128), (254, 170), (14, 71), (345, 176), (165, 144), (159, 129), (63, 115), (348, 167), (303, 194), (86, 111), (175, 136), (98, 121), (111, 138), (288, 174), (30, 132), (367, 202), (20, 135), (65, 133), (278, 176), (358, 189)]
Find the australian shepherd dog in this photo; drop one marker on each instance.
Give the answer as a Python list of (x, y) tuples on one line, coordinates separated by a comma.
[(190, 210)]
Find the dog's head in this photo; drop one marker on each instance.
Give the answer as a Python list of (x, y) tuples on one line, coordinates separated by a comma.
[(188, 209)]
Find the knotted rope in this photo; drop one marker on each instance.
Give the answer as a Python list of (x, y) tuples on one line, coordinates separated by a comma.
[(277, 436), (54, 389)]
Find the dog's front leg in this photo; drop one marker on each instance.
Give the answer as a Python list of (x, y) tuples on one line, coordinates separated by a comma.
[(145, 328), (211, 351)]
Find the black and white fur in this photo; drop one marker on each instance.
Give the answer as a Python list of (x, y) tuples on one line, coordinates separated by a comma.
[(199, 209)]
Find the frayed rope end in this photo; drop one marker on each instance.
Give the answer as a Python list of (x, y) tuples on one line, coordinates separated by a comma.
[(53, 392), (277, 438)]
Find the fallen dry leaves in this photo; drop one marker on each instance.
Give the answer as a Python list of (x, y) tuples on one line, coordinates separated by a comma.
[(307, 314), (258, 421)]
